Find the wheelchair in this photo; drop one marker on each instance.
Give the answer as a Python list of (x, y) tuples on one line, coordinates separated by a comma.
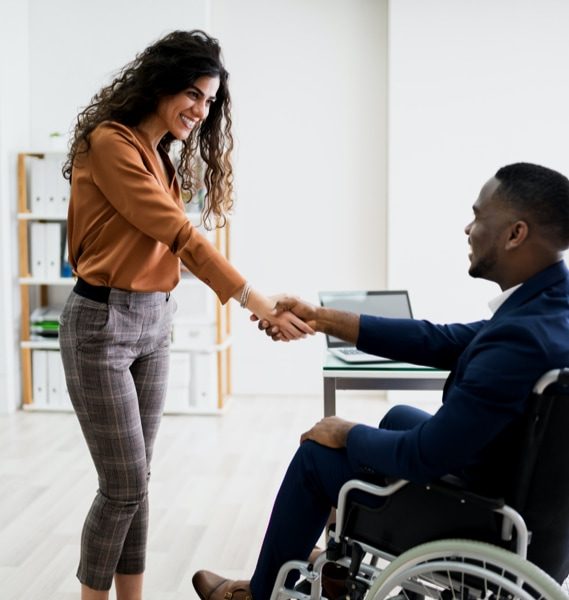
[(446, 541)]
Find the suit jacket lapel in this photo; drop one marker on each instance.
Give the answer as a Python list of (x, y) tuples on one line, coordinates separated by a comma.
[(553, 274)]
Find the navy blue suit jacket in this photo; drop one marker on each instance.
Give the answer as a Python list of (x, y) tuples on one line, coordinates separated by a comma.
[(494, 365)]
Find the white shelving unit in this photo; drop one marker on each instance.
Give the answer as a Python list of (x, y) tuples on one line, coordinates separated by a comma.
[(42, 200), (200, 364)]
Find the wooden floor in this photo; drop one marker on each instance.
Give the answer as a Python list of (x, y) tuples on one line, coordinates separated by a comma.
[(212, 486)]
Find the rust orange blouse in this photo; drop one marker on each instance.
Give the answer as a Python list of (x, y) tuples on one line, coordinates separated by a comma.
[(127, 227)]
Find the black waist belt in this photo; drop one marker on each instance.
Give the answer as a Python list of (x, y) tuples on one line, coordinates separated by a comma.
[(97, 293)]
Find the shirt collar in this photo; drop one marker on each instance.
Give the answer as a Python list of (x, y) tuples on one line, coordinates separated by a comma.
[(496, 302)]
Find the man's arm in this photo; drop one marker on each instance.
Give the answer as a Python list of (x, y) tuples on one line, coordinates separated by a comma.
[(405, 340)]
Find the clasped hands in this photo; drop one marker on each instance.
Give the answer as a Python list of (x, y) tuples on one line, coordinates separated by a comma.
[(290, 319)]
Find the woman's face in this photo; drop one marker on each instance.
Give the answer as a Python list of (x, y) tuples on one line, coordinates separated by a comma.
[(180, 113)]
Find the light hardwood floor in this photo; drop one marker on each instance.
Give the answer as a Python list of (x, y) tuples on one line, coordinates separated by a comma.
[(212, 487)]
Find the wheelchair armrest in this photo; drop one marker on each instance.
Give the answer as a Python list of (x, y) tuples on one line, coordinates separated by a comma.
[(364, 486), (467, 510), (449, 485)]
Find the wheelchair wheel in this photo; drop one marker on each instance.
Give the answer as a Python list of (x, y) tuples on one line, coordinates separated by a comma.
[(463, 570)]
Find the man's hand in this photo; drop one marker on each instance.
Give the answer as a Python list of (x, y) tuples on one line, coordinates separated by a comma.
[(303, 310), (330, 431)]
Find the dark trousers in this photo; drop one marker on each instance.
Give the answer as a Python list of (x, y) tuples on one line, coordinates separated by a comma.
[(115, 355), (308, 492)]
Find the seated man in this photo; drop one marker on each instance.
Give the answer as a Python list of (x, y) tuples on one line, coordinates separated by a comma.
[(519, 231)]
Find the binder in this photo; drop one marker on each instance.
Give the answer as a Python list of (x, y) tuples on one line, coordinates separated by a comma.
[(63, 190), (53, 251), (64, 399), (38, 268), (57, 188), (39, 377), (66, 270), (49, 191), (178, 394), (204, 381), (50, 182), (55, 369), (44, 321), (37, 200)]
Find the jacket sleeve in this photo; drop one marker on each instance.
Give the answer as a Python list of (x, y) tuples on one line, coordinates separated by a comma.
[(118, 170), (415, 341), (490, 393)]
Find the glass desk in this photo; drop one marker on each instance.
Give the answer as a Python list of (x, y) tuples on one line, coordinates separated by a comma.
[(339, 375)]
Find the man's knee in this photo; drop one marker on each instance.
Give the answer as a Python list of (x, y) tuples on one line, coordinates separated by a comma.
[(402, 417), (321, 469)]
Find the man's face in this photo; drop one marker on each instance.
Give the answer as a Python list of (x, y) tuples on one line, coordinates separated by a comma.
[(488, 233)]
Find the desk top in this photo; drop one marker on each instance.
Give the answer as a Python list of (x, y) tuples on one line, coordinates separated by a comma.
[(334, 367)]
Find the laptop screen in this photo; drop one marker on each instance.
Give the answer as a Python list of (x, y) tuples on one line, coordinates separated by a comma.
[(378, 304)]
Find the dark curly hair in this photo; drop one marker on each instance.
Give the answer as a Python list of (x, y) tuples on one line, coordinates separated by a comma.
[(165, 68)]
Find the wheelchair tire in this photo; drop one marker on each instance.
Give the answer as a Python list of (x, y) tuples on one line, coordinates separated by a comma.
[(463, 570)]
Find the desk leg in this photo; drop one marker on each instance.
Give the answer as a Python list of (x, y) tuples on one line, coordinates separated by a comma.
[(329, 396)]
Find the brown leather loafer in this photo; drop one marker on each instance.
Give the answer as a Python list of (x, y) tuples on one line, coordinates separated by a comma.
[(334, 581), (210, 586)]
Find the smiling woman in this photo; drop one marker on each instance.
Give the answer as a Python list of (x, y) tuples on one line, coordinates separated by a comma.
[(128, 235)]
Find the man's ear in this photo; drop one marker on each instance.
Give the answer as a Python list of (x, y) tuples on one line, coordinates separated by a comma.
[(518, 234)]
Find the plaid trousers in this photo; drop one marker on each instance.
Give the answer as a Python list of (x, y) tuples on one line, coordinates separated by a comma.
[(115, 357)]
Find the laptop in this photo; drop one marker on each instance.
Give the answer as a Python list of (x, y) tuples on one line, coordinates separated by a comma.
[(379, 304)]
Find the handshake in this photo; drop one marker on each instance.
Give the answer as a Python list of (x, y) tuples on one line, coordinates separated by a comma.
[(291, 319)]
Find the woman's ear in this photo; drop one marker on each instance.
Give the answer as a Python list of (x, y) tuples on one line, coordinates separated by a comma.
[(518, 234)]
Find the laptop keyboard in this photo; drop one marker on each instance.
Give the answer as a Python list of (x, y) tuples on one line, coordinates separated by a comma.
[(349, 351)]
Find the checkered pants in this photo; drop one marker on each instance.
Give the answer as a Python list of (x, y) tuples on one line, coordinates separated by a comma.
[(115, 357)]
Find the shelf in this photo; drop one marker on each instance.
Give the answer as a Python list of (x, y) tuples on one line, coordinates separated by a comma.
[(54, 345), (41, 344), (47, 408), (202, 349), (35, 281), (30, 216), (209, 361), (197, 412)]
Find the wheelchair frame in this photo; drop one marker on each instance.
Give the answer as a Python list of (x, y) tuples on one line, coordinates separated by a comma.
[(506, 574)]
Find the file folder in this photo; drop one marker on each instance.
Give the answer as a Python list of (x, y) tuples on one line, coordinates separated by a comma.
[(39, 377), (37, 200), (55, 369), (53, 250), (37, 251)]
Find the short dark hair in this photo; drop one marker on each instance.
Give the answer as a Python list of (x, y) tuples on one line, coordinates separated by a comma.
[(541, 195)]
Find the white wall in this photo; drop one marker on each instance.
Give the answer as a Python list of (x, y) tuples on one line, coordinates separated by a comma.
[(473, 86), (76, 47), (308, 80), (308, 85), (14, 135), (54, 56)]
